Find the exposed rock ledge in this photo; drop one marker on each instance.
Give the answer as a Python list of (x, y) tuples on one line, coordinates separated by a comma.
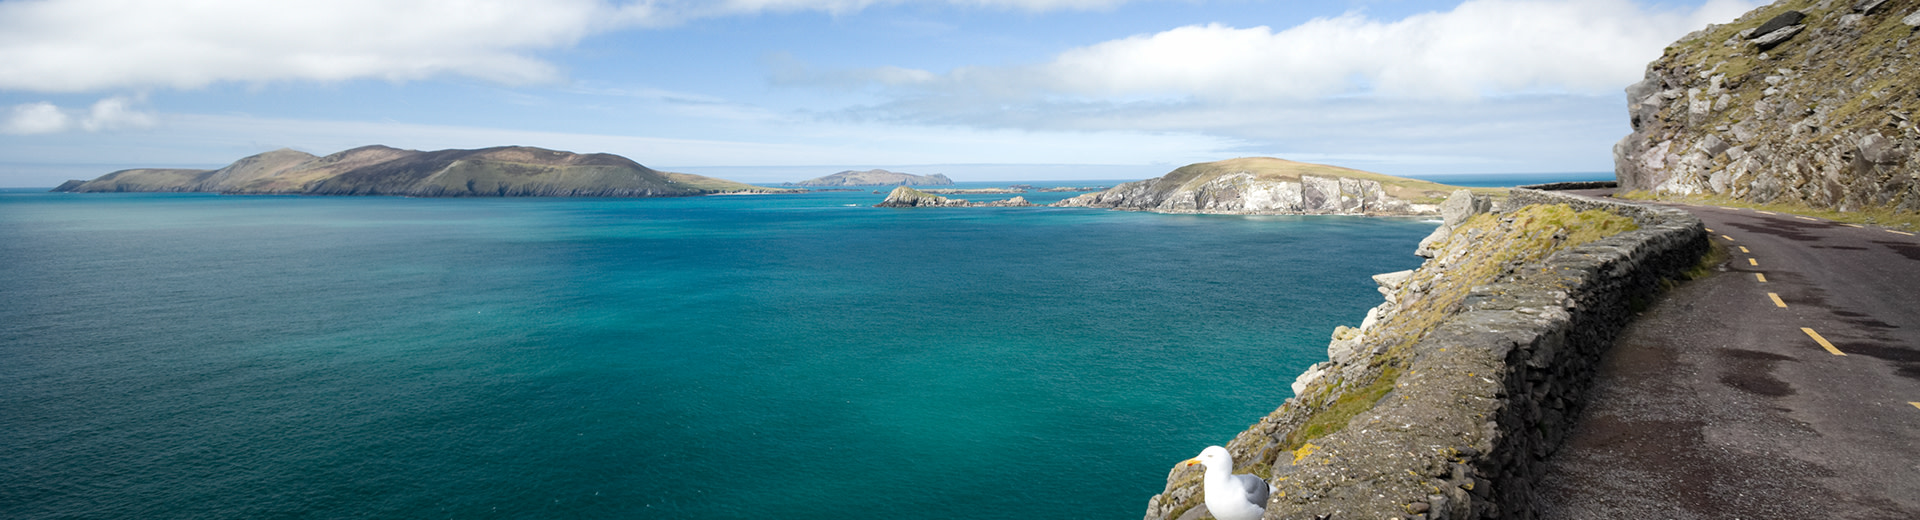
[(905, 197), (1804, 102), (1443, 403)]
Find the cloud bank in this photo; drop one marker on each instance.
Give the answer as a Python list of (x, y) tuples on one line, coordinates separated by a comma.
[(1480, 47), (93, 45), (1490, 85)]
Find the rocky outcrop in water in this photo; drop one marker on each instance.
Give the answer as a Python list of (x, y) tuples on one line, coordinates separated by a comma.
[(1264, 185), (905, 197), (1804, 102), (876, 177), (509, 171)]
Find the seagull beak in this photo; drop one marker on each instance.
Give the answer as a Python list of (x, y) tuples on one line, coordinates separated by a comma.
[(1190, 462)]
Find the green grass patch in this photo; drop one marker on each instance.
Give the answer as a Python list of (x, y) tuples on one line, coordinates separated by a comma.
[(1344, 407), (1716, 254)]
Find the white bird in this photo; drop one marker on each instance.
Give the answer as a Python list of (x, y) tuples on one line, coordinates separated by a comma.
[(1230, 496)]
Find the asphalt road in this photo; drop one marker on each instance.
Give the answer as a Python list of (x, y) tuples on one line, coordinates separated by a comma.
[(1716, 403)]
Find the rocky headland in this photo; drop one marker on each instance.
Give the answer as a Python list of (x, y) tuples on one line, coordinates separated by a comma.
[(972, 191), (875, 177), (905, 197), (508, 171), (1802, 102), (1265, 185)]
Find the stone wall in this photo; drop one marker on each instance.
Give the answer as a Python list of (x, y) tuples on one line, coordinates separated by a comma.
[(1484, 392)]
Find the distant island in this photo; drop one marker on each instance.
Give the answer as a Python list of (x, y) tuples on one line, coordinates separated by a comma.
[(905, 197), (506, 171), (1266, 185), (875, 177)]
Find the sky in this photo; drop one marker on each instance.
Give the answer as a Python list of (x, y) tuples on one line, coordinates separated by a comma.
[(785, 90)]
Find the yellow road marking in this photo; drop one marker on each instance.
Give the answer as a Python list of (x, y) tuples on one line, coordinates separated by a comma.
[(1900, 232), (1823, 341), (1915, 405), (1776, 300), (1761, 277), (1855, 225), (1806, 218), (1764, 212), (1753, 262), (1729, 239), (1709, 230), (1743, 249)]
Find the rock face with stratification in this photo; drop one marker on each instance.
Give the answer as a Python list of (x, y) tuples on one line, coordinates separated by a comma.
[(1799, 102), (1265, 185), (508, 171)]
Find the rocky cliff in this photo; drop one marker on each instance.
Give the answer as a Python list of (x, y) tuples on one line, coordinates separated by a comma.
[(510, 171), (876, 178), (1801, 102), (905, 197), (1445, 399), (1265, 185)]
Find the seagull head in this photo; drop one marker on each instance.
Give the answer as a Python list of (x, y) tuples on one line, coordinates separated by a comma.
[(1212, 457)]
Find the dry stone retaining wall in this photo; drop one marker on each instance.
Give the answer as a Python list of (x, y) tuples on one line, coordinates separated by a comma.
[(1484, 398)]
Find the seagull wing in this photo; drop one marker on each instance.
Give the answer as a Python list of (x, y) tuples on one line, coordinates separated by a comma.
[(1256, 489)]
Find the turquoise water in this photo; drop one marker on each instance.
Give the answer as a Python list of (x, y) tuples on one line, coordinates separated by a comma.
[(204, 356)]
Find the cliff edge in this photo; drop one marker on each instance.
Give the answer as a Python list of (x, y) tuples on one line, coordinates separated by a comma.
[(1800, 102), (1446, 399), (1265, 185)]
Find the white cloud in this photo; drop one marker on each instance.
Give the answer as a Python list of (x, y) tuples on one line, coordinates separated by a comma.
[(82, 45), (36, 118), (1481, 47), (90, 45), (114, 113)]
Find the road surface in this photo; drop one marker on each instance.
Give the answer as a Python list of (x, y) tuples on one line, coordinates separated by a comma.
[(1787, 385)]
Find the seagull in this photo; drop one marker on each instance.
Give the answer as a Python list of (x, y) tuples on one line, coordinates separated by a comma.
[(1230, 496)]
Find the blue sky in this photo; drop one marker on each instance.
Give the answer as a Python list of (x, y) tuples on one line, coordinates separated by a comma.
[(782, 90)]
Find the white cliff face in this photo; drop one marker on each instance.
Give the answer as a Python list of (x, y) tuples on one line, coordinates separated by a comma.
[(1244, 193)]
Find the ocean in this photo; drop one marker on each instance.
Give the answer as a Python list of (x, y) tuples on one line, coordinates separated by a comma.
[(792, 356)]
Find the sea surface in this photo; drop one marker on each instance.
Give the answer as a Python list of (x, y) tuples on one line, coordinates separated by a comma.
[(796, 357)]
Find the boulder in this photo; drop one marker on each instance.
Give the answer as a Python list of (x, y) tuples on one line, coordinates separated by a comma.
[(1774, 39), (1779, 22)]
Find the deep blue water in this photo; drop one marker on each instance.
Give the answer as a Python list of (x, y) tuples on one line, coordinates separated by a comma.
[(807, 357)]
